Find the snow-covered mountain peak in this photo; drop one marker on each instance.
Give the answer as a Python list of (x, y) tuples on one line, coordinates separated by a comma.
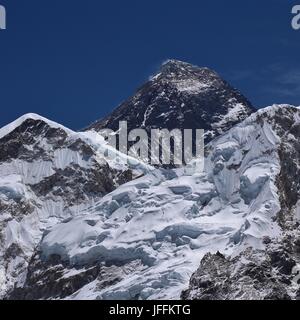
[(175, 68), (187, 78), (282, 117), (49, 173), (173, 65), (34, 119)]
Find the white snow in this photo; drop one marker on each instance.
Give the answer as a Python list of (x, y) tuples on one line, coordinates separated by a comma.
[(12, 187), (191, 86), (233, 114)]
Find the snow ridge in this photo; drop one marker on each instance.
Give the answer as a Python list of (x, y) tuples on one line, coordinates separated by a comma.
[(15, 124)]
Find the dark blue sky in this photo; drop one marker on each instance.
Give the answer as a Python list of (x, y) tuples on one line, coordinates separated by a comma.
[(73, 61)]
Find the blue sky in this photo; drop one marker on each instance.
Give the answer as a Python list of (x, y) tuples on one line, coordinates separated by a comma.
[(74, 61)]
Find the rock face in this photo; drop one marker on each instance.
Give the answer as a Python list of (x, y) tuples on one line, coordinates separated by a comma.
[(181, 96), (55, 279), (271, 274), (252, 275)]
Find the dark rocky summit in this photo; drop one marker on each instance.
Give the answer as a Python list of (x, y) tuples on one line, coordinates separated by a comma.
[(181, 96)]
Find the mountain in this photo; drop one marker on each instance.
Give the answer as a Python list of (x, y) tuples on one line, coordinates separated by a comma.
[(181, 96), (48, 174), (145, 239), (78, 224)]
